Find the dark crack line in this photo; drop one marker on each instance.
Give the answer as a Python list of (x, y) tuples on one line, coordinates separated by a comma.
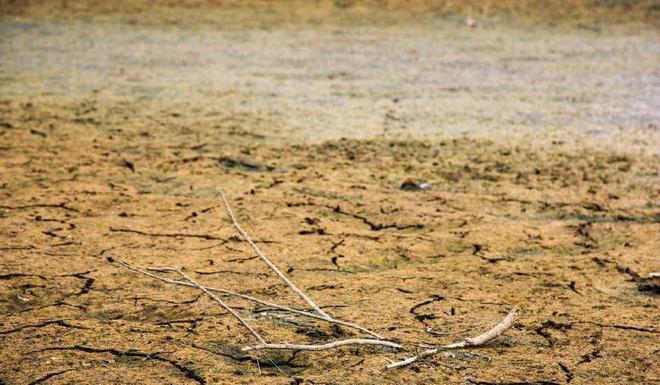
[(195, 214), (241, 260), (335, 245), (513, 383), (240, 357), (567, 372), (18, 275), (589, 357), (550, 324), (373, 225), (187, 372), (15, 248), (169, 235), (62, 323), (51, 233), (424, 317), (622, 327), (54, 304), (42, 205), (363, 236), (87, 286), (435, 298), (188, 302), (207, 237), (230, 272), (335, 259), (322, 269), (48, 376), (193, 322)]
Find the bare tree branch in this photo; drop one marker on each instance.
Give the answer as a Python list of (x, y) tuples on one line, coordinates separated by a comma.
[(262, 344), (248, 298), (319, 314)]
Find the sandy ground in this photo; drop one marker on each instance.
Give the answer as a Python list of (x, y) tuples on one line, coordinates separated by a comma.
[(540, 144)]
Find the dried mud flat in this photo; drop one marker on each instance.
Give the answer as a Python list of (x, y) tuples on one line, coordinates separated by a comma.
[(568, 232)]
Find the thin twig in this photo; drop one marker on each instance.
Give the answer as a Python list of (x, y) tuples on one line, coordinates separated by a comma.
[(481, 339), (330, 345), (248, 298), (262, 342), (224, 305), (268, 262)]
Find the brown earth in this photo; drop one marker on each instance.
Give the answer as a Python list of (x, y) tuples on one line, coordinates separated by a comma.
[(546, 198)]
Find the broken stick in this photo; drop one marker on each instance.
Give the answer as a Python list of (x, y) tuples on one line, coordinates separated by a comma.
[(481, 339)]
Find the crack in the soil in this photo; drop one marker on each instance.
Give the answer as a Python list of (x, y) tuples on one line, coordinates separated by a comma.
[(171, 235), (335, 245), (322, 269), (195, 214), (583, 231), (373, 225), (52, 233), (40, 205), (60, 322), (18, 275), (87, 285), (644, 284), (513, 383), (187, 302), (436, 298), (54, 304), (186, 371), (201, 272), (590, 357), (334, 260), (48, 376), (550, 324), (567, 372), (622, 327), (208, 237), (193, 322), (241, 260), (423, 317), (239, 357), (16, 248)]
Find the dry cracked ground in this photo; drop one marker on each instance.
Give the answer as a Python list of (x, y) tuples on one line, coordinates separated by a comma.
[(539, 144)]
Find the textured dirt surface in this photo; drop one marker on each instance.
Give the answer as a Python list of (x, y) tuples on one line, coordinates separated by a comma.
[(540, 147)]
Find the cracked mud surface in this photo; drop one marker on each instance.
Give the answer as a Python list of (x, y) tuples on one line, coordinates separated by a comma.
[(566, 231)]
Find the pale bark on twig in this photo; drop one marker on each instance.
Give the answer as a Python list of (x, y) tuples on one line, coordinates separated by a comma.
[(481, 339), (268, 262), (249, 298), (329, 345)]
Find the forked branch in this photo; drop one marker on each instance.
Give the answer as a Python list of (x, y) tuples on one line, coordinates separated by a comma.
[(247, 297), (262, 343)]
